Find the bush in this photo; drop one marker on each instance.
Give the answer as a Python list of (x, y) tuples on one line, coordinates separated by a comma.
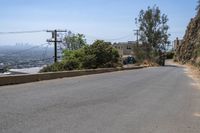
[(99, 55), (54, 67), (89, 62), (71, 64)]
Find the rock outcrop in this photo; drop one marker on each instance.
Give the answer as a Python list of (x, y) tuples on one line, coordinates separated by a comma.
[(189, 50)]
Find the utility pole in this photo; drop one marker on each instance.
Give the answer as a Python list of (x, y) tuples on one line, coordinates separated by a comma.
[(137, 34), (55, 41)]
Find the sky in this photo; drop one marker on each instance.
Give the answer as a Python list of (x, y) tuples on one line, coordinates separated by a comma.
[(110, 20)]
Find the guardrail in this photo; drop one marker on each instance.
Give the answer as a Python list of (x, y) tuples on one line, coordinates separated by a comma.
[(27, 78)]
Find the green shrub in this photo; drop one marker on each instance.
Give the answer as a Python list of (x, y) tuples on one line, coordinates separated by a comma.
[(98, 55), (89, 62), (53, 68), (71, 64), (101, 54)]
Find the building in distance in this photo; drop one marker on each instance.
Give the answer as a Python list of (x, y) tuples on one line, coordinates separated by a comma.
[(126, 51), (125, 48)]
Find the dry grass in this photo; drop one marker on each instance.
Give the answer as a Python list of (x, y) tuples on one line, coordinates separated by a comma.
[(149, 63), (194, 73)]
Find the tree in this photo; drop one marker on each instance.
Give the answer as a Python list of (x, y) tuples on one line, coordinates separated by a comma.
[(153, 31), (74, 41), (198, 6)]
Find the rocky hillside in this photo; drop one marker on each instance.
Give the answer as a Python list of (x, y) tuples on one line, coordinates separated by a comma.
[(189, 50)]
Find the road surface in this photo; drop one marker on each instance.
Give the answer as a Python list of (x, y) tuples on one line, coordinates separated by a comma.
[(150, 100)]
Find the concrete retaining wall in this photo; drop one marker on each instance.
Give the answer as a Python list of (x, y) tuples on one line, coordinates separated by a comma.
[(27, 78)]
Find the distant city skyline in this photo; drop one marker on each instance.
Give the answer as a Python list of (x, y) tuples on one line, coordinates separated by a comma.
[(110, 20)]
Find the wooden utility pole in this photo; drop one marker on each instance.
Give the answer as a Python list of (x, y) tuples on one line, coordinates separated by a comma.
[(137, 34), (55, 41)]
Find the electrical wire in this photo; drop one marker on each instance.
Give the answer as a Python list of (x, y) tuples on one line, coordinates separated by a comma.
[(101, 38), (22, 32), (88, 36)]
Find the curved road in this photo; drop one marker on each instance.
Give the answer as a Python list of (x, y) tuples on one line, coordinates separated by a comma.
[(151, 100)]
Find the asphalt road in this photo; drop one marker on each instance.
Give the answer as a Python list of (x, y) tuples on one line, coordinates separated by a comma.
[(150, 100)]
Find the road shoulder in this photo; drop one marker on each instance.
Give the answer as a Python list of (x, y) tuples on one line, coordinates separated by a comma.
[(192, 71)]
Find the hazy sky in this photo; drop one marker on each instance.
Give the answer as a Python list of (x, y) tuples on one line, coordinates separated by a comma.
[(112, 20)]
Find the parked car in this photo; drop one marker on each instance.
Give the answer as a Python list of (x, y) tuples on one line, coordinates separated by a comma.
[(129, 60)]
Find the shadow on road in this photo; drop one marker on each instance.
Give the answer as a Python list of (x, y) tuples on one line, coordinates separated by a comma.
[(173, 66), (170, 63)]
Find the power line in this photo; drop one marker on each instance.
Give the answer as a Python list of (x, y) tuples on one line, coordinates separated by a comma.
[(89, 36), (108, 39), (102, 38), (22, 32)]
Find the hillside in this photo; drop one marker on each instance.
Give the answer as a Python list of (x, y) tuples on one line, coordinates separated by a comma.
[(189, 50)]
